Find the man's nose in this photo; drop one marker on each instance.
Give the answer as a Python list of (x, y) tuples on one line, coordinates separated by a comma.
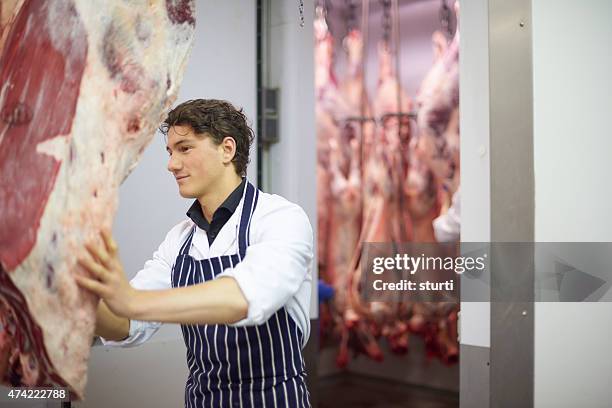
[(174, 164)]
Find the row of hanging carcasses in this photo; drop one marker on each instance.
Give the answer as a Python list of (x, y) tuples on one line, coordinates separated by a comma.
[(380, 181)]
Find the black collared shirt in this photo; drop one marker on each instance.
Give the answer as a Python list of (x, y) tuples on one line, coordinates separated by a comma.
[(221, 215)]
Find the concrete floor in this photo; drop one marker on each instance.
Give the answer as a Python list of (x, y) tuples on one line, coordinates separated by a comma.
[(357, 391)]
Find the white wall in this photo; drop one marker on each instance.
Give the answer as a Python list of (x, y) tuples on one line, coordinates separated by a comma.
[(290, 164), (572, 62), (475, 163), (222, 66)]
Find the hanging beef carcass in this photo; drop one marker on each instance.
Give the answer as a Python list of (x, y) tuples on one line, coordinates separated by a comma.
[(83, 86), (385, 165), (437, 147), (391, 107), (345, 179), (385, 218), (326, 128), (330, 105), (359, 122), (338, 167), (344, 208), (421, 187), (438, 120), (345, 166), (344, 226)]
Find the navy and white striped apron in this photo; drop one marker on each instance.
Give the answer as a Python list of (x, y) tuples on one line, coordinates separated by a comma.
[(255, 366)]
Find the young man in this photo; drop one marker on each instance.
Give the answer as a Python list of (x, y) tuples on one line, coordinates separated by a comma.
[(236, 275)]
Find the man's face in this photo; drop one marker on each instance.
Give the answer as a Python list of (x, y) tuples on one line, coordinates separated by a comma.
[(195, 161)]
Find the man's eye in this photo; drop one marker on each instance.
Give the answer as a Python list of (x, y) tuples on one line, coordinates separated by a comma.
[(185, 148)]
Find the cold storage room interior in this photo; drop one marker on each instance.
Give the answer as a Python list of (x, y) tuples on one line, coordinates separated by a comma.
[(357, 111)]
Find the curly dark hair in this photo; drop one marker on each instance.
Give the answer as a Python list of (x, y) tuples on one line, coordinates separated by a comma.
[(217, 119)]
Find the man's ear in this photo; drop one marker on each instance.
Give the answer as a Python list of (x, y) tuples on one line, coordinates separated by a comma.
[(229, 149)]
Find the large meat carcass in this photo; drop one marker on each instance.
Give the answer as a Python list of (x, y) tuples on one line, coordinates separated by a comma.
[(338, 185), (421, 188), (438, 120), (437, 147), (345, 176), (391, 107), (326, 127), (384, 216), (338, 171), (83, 86)]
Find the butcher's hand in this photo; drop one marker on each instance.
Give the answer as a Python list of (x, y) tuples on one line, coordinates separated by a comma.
[(107, 278)]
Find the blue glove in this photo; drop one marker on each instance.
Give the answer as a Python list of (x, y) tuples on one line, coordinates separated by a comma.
[(326, 291)]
